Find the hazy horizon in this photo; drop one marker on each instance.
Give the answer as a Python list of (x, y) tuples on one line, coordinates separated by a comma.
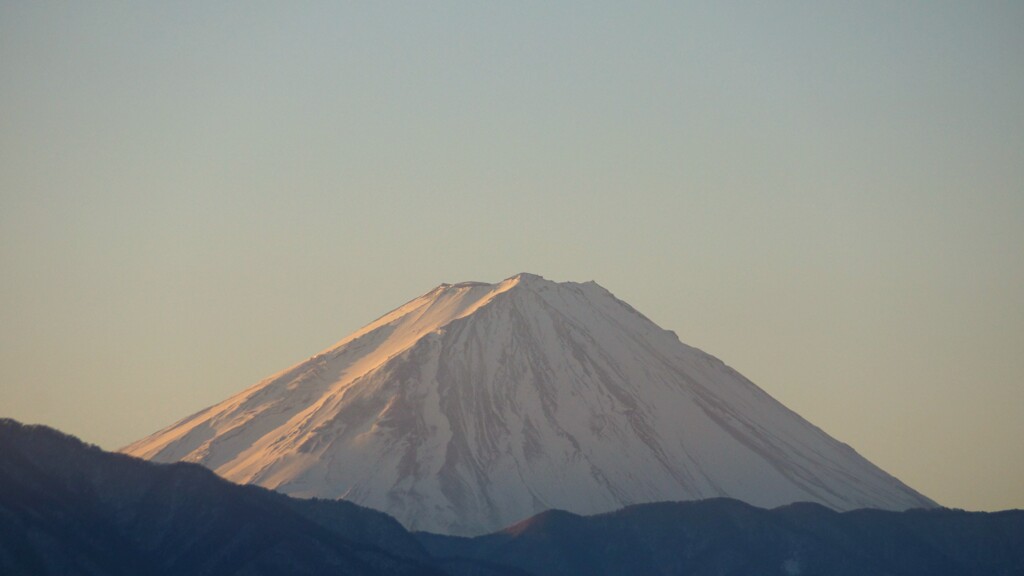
[(829, 198)]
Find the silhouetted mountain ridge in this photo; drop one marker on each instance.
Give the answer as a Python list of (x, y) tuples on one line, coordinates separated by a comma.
[(723, 536), (69, 508)]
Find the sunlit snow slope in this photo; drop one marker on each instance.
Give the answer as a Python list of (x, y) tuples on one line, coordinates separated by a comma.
[(477, 405)]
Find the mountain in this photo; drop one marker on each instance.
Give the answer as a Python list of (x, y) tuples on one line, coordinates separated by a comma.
[(724, 537), (477, 405), (70, 509)]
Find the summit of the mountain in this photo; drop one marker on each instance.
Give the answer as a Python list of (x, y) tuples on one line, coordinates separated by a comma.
[(477, 405)]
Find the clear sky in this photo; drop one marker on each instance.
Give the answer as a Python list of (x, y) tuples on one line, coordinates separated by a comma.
[(828, 196)]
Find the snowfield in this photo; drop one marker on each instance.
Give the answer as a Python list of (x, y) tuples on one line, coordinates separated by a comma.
[(477, 405)]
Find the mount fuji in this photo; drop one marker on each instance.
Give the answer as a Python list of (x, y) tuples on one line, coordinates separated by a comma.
[(477, 405)]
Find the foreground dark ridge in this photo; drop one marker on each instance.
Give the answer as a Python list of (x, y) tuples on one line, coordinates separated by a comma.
[(724, 536), (72, 509), (67, 508)]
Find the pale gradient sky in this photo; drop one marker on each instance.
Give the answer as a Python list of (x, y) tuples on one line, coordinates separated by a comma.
[(827, 196)]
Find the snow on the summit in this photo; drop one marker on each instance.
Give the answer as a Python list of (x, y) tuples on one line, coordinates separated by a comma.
[(477, 405)]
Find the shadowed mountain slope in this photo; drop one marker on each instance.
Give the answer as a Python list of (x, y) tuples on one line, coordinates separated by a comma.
[(68, 509), (71, 509), (727, 537)]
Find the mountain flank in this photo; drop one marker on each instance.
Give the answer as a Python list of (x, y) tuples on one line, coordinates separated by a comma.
[(67, 508), (70, 509), (728, 537)]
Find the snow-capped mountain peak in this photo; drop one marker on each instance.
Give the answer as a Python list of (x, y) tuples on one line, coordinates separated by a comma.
[(477, 405)]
